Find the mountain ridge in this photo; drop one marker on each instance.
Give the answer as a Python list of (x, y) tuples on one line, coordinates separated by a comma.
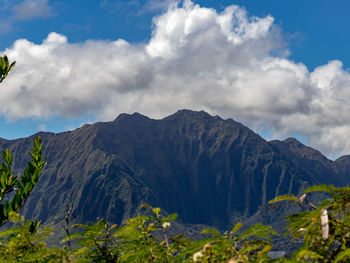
[(209, 170)]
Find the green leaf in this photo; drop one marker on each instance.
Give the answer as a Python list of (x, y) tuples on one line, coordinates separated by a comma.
[(259, 230), (212, 231), (9, 231), (3, 63), (342, 255), (146, 206), (156, 211), (307, 254), (6, 61), (16, 202), (171, 217), (284, 198), (3, 181), (78, 225), (113, 227), (235, 228), (71, 237), (27, 188), (320, 188), (12, 66)]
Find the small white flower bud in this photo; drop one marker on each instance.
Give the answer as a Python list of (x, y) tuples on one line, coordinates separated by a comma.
[(166, 225), (197, 256)]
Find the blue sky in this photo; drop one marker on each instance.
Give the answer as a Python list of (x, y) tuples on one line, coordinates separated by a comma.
[(307, 40)]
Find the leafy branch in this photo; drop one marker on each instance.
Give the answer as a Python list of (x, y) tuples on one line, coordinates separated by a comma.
[(5, 67), (22, 186)]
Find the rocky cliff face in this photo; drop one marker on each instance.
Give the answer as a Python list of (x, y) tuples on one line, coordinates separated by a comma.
[(311, 160), (208, 170)]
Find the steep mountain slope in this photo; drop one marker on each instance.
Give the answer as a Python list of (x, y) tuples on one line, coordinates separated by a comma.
[(208, 170), (307, 158), (343, 165)]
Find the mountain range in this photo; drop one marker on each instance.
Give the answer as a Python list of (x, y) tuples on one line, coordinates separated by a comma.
[(209, 170)]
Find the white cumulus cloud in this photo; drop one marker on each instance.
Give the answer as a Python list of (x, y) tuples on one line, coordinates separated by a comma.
[(226, 63)]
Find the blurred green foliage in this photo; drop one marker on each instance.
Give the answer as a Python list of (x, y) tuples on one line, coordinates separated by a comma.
[(5, 67), (325, 228), (145, 238), (14, 191)]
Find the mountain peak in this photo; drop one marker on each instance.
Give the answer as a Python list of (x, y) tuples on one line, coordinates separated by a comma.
[(134, 116), (185, 113), (292, 140), (293, 146)]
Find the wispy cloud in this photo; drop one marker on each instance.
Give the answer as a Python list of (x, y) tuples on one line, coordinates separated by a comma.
[(157, 5), (225, 63), (30, 9), (135, 7), (15, 11), (42, 127), (113, 6)]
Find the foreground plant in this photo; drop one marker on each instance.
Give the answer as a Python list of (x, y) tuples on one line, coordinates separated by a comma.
[(325, 228), (5, 67), (250, 246), (144, 238), (25, 242), (21, 186), (96, 241)]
